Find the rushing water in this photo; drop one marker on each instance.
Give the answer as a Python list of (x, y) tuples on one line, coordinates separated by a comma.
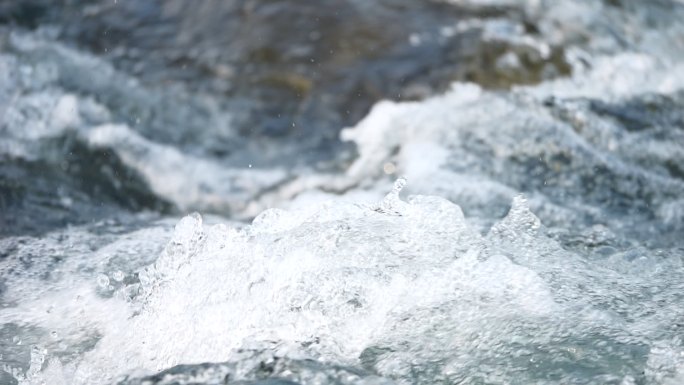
[(522, 225)]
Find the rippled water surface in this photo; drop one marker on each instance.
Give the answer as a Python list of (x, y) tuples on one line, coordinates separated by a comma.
[(342, 192)]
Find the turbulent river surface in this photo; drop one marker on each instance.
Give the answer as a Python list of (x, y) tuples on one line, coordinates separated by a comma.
[(342, 192)]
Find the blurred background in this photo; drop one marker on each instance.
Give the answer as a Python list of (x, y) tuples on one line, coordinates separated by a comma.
[(128, 110), (237, 84)]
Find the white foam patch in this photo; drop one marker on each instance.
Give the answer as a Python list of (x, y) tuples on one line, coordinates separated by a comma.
[(187, 181), (615, 77), (336, 277), (334, 282)]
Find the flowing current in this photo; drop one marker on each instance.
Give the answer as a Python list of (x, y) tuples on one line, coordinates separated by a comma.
[(511, 212)]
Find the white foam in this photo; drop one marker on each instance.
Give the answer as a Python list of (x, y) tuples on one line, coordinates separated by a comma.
[(187, 181), (409, 288), (341, 275)]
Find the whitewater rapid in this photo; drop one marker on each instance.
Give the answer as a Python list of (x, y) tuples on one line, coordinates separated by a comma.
[(532, 234), (407, 290)]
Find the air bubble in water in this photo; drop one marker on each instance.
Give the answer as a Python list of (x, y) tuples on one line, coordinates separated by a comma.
[(103, 281), (118, 276)]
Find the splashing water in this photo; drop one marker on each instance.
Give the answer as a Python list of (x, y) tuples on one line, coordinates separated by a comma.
[(578, 281), (392, 204), (406, 294)]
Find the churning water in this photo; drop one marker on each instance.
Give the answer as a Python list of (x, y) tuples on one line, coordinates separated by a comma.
[(524, 226)]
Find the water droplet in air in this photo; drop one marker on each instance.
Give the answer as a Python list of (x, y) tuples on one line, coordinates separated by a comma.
[(389, 168)]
